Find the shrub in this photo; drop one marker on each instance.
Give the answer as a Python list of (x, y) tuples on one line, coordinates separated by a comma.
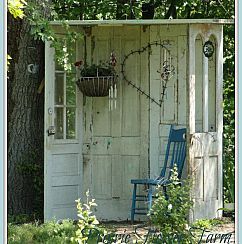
[(170, 211)]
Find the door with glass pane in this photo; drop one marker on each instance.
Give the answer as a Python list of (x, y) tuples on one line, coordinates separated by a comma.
[(63, 161)]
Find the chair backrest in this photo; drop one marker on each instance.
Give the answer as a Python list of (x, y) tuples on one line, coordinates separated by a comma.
[(175, 151)]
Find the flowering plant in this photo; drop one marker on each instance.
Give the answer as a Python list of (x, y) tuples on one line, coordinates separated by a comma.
[(94, 70), (170, 210)]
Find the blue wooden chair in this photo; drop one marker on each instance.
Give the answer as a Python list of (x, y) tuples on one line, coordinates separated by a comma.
[(175, 154)]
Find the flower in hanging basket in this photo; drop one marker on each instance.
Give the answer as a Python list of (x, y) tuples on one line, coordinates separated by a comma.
[(95, 80), (78, 63)]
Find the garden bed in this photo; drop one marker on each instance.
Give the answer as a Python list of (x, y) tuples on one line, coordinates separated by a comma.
[(61, 233)]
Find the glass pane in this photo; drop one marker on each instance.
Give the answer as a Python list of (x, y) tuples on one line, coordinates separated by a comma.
[(59, 89), (70, 123), (71, 90), (59, 123)]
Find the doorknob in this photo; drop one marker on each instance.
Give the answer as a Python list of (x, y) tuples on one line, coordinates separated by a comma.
[(51, 130)]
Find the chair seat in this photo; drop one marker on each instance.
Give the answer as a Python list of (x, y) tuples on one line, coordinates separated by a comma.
[(158, 181)]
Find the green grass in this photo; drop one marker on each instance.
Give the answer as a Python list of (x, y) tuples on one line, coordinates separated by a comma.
[(49, 233), (210, 223), (54, 233)]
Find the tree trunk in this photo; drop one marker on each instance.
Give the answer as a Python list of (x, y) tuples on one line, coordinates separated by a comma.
[(26, 121), (13, 40)]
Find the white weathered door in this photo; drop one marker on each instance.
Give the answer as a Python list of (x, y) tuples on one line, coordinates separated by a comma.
[(115, 144), (173, 108), (205, 118), (63, 161)]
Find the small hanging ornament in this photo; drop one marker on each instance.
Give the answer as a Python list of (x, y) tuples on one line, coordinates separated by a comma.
[(113, 59), (208, 49), (112, 98), (78, 63)]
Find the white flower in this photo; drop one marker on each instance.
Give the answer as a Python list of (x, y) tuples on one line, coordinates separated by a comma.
[(169, 207)]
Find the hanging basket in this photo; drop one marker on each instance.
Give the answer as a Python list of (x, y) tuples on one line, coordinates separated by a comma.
[(95, 86)]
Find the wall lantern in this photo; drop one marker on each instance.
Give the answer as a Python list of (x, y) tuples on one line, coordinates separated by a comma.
[(208, 49)]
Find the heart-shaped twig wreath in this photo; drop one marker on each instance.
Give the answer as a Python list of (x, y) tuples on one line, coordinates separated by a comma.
[(167, 69)]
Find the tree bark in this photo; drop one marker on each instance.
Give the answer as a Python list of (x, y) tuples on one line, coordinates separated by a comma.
[(14, 26), (26, 120)]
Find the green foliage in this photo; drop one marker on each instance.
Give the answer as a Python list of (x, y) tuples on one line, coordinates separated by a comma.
[(15, 7), (54, 233), (20, 219), (87, 221), (95, 9), (170, 211), (93, 70), (49, 233), (207, 223), (41, 30), (229, 116)]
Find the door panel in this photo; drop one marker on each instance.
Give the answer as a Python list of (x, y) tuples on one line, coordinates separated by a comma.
[(211, 170), (199, 177), (205, 122), (101, 176), (63, 161), (101, 117)]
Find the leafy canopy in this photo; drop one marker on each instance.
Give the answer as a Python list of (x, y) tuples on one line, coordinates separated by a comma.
[(16, 7)]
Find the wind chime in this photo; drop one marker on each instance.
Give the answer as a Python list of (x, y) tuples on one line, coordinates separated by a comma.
[(112, 94)]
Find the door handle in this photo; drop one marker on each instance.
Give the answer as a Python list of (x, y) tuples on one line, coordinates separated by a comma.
[(51, 130)]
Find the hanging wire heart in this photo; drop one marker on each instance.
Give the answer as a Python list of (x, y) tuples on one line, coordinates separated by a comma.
[(168, 70)]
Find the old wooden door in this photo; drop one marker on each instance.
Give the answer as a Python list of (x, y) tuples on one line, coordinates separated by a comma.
[(115, 145), (205, 116), (173, 108), (63, 161)]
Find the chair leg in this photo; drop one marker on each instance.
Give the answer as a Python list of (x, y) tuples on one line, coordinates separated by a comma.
[(150, 192), (133, 203)]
